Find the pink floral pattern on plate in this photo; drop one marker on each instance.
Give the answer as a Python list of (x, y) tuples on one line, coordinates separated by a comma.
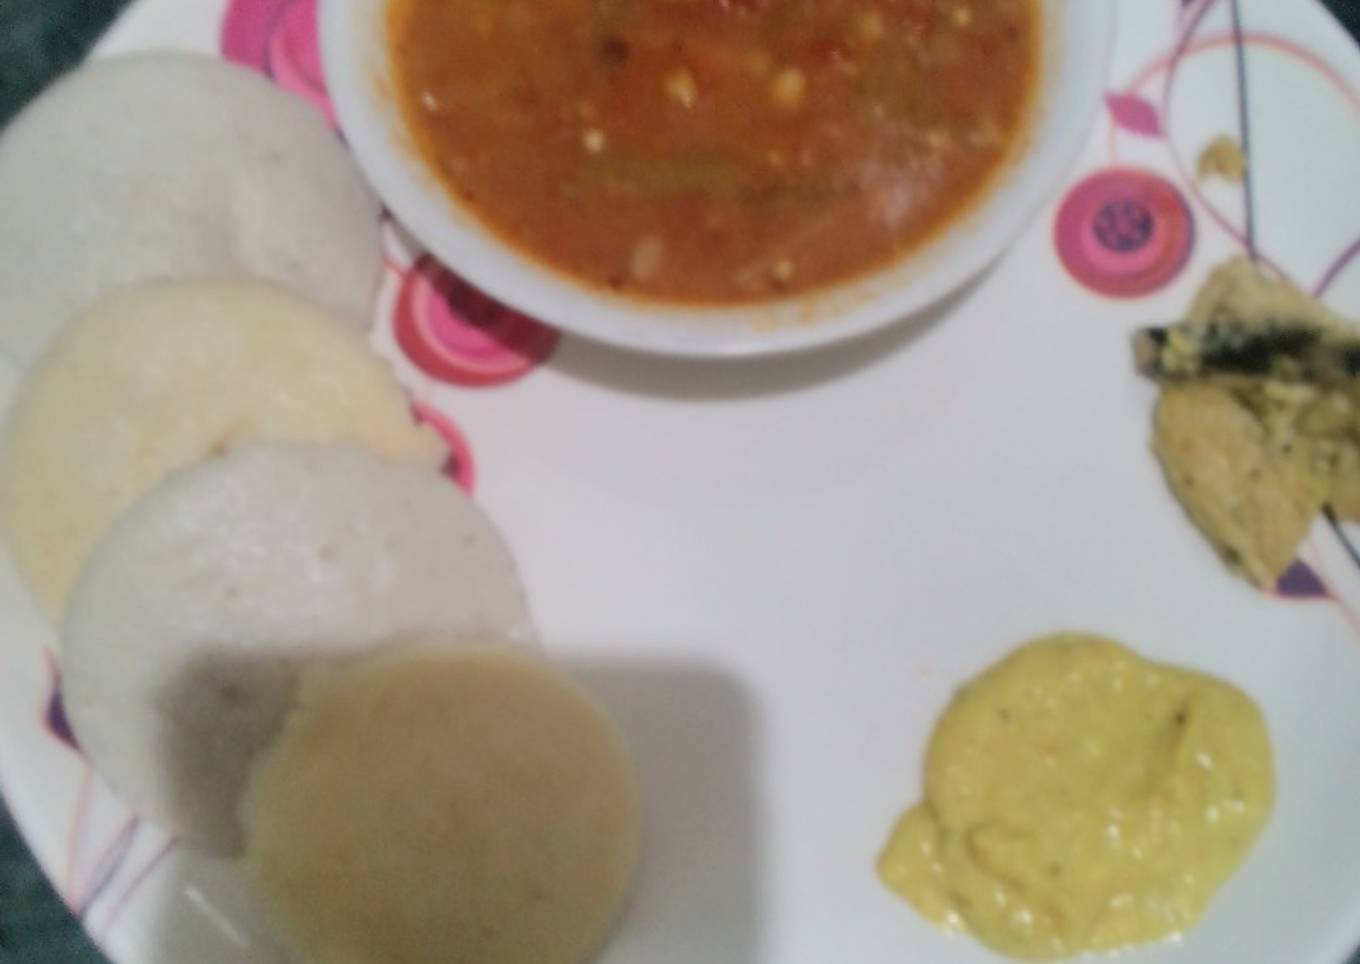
[(279, 39), (456, 333), (1124, 232), (459, 466)]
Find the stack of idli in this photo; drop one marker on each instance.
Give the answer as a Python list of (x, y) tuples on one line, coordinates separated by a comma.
[(207, 477), (189, 258), (283, 633), (196, 611)]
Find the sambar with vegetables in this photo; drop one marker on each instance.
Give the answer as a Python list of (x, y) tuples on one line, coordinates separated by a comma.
[(715, 151)]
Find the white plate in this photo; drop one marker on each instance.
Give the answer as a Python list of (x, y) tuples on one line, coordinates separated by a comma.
[(778, 572)]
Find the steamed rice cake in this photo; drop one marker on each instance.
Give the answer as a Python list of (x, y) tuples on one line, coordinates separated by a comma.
[(478, 806), (169, 165), (160, 375), (186, 631)]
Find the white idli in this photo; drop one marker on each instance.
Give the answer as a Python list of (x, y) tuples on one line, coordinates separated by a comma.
[(472, 805), (163, 374), (185, 633), (168, 164)]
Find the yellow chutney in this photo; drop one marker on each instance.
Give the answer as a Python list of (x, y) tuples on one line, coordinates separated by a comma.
[(1080, 798)]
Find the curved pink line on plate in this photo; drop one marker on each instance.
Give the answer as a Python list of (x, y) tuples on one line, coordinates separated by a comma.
[(75, 837), (1168, 63), (133, 886), (1183, 171), (1338, 266), (1183, 42), (1253, 39), (109, 864)]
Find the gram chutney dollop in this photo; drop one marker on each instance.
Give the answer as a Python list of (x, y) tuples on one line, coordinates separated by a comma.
[(1080, 798)]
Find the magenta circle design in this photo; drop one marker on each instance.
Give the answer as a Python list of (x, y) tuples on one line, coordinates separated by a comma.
[(278, 38), (1124, 232), (456, 333)]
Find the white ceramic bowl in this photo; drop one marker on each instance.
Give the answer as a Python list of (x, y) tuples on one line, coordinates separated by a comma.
[(1077, 40)]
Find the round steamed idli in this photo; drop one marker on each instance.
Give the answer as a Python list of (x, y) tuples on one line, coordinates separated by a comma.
[(161, 165), (184, 635), (161, 375), (479, 806)]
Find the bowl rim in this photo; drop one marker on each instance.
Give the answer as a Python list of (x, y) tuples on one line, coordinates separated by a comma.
[(354, 58)]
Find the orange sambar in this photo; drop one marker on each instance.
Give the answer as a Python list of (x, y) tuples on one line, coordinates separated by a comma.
[(715, 151)]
